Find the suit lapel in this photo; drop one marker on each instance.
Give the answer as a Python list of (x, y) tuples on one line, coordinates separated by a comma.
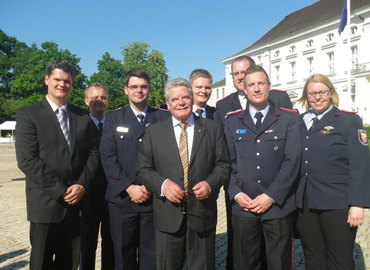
[(72, 129), (247, 120), (235, 102), (199, 131), (170, 139)]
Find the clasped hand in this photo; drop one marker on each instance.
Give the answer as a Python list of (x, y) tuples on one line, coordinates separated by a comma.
[(258, 205), (174, 193)]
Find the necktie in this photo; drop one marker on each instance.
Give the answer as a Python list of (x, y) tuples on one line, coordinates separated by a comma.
[(62, 118), (199, 112), (141, 118), (314, 122), (258, 116), (100, 129), (183, 151)]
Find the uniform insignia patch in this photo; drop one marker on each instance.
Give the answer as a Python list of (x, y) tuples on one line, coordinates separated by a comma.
[(326, 130), (241, 131), (362, 137), (276, 148), (122, 129), (269, 131)]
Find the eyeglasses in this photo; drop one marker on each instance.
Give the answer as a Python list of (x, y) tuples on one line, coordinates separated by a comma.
[(135, 87), (237, 73), (322, 93)]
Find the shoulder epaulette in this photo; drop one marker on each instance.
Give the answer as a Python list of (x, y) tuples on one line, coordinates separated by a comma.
[(277, 90), (162, 109), (234, 112), (289, 110), (348, 111), (115, 109)]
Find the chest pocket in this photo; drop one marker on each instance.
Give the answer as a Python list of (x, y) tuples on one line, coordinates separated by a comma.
[(275, 142), (243, 144)]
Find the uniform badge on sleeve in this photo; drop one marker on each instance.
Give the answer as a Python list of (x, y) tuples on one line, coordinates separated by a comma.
[(241, 131), (362, 137)]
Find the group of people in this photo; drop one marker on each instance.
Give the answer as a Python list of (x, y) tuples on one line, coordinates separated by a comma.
[(149, 178)]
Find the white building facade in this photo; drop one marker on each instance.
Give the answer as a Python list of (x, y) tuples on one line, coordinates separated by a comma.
[(307, 42)]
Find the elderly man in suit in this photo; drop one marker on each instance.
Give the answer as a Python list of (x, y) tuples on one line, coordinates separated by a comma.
[(184, 162), (130, 203), (201, 85), (95, 215), (264, 146), (57, 153)]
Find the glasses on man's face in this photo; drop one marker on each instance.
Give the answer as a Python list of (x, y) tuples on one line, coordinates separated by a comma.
[(322, 93), (141, 87), (237, 73)]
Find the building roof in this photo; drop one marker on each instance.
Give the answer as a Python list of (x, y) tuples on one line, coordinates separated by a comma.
[(219, 83), (301, 20)]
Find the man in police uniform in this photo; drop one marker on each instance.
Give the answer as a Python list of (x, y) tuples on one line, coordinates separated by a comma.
[(129, 202), (264, 146)]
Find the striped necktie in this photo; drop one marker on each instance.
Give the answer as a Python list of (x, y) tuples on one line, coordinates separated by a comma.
[(62, 118), (183, 151)]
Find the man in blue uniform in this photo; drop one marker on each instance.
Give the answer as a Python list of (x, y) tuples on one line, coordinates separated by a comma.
[(264, 146), (129, 202)]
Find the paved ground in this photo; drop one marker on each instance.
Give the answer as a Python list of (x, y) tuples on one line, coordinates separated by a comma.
[(15, 248)]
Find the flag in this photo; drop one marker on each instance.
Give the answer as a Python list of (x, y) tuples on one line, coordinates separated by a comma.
[(343, 18)]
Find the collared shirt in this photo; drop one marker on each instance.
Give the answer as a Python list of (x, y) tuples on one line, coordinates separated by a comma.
[(56, 107), (96, 121), (189, 130), (310, 115), (253, 112), (203, 114), (136, 112), (243, 100)]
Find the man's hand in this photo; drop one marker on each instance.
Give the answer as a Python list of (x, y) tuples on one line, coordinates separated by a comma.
[(73, 194), (355, 216), (244, 201), (202, 190), (261, 204), (138, 194), (173, 191)]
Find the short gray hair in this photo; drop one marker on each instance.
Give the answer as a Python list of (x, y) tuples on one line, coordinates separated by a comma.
[(176, 83)]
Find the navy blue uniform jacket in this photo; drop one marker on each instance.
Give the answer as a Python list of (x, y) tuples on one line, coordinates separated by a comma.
[(119, 147), (335, 163), (265, 161)]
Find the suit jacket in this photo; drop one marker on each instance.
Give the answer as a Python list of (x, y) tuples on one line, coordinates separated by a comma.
[(265, 160), (44, 157), (335, 166), (119, 147), (159, 160), (210, 112), (230, 103)]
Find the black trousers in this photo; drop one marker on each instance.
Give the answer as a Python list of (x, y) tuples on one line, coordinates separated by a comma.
[(186, 249), (133, 238), (56, 246), (327, 239), (251, 235), (94, 217)]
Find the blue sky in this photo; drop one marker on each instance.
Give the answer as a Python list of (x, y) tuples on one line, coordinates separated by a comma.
[(191, 34)]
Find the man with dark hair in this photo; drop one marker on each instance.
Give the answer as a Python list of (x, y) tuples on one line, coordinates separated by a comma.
[(129, 201), (201, 85), (184, 162), (94, 206), (58, 155), (264, 146)]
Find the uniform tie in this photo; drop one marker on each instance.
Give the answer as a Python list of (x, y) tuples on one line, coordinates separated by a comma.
[(62, 118), (141, 118), (314, 122), (258, 116), (183, 151), (100, 129)]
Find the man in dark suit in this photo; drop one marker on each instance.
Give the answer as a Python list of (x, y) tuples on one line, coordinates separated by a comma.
[(130, 203), (264, 146), (94, 206), (57, 153), (238, 100), (184, 162), (201, 85)]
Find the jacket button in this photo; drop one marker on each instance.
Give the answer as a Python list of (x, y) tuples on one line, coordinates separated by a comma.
[(258, 141), (258, 167), (257, 154)]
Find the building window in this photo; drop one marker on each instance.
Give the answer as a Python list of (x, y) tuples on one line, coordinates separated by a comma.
[(330, 37), (353, 30), (292, 49), (310, 65), (277, 54), (293, 70), (217, 94), (331, 62), (354, 52), (277, 74), (223, 92), (309, 43)]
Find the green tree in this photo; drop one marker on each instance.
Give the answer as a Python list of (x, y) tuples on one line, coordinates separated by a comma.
[(137, 55), (110, 74)]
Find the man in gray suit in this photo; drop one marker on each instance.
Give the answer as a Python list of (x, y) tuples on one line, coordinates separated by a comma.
[(184, 162)]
